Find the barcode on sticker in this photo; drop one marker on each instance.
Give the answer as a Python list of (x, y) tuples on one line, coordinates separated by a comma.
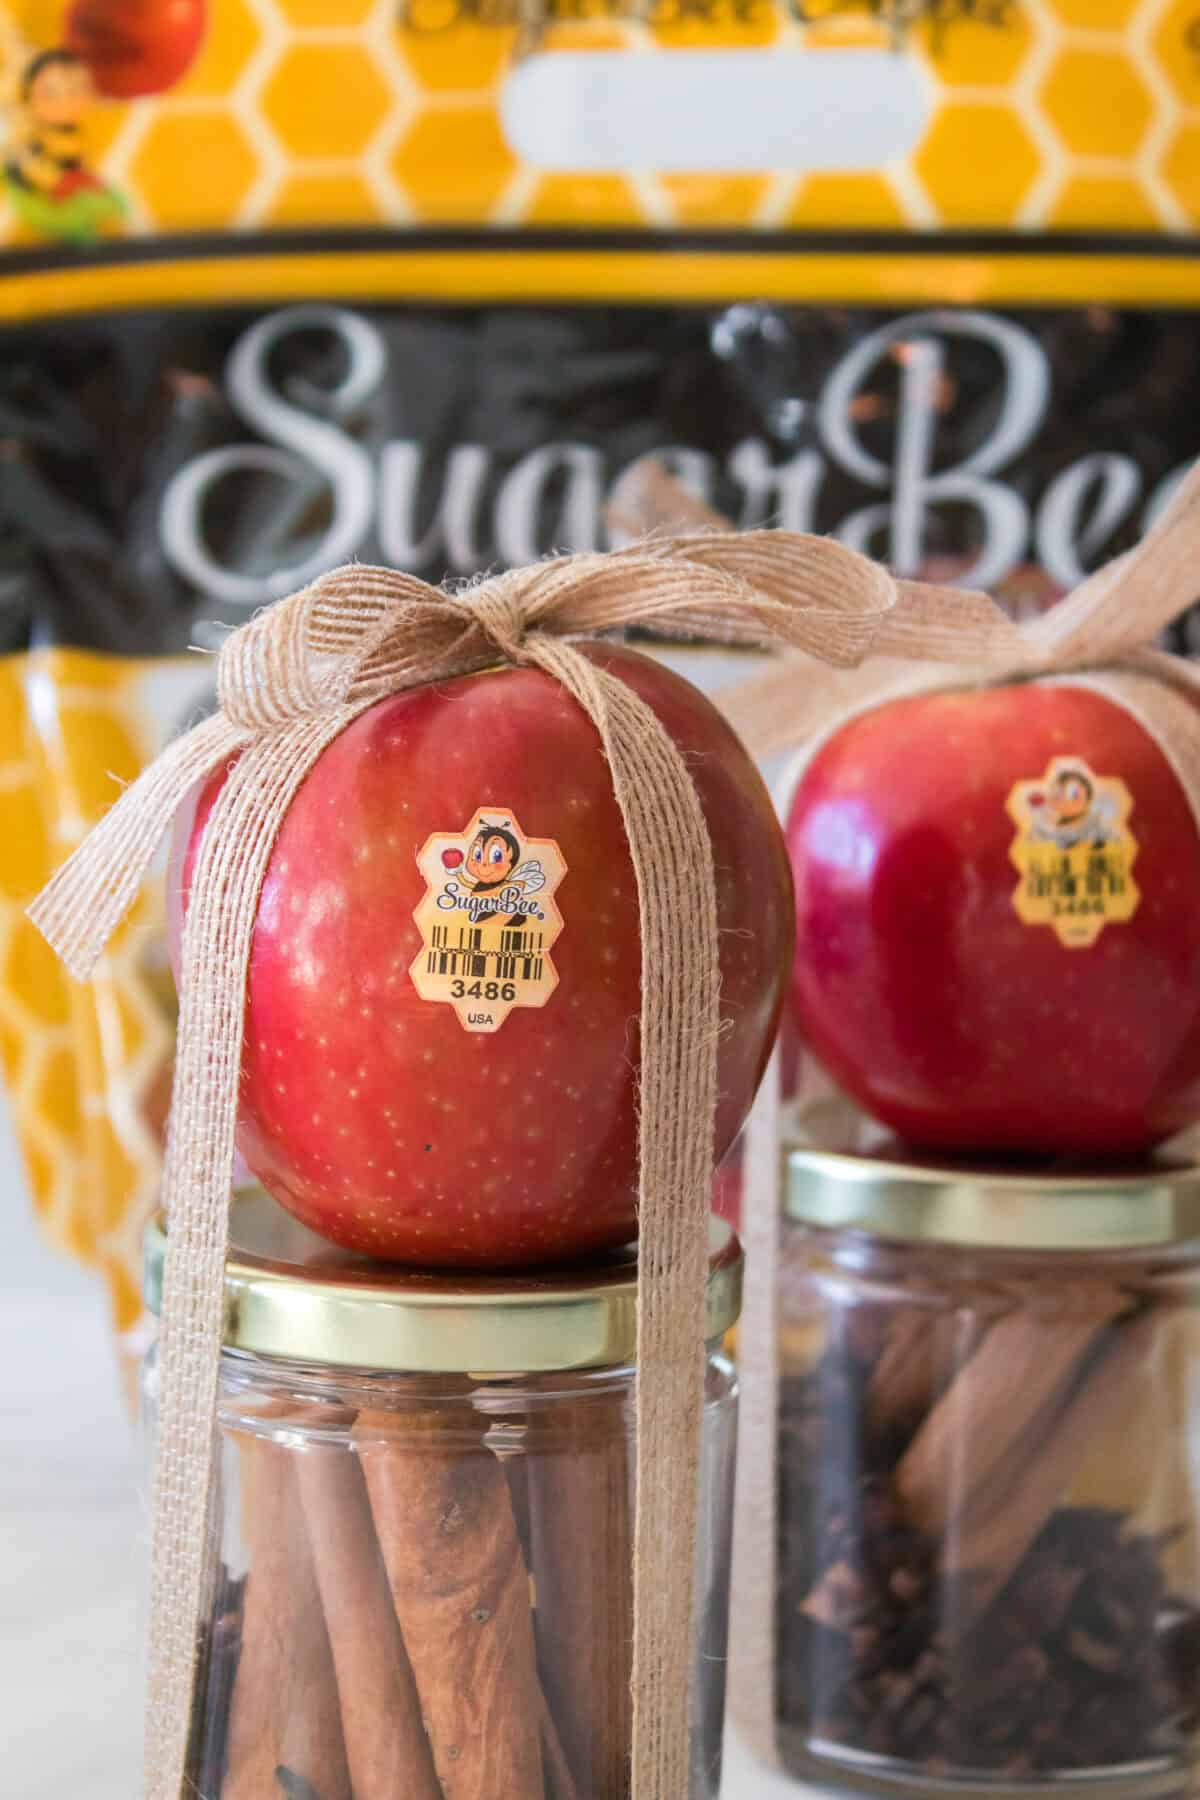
[(517, 957), (1101, 877)]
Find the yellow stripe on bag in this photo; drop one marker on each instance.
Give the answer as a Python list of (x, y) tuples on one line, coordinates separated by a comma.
[(496, 274)]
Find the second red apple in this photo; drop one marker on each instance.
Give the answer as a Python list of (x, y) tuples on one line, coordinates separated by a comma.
[(998, 922)]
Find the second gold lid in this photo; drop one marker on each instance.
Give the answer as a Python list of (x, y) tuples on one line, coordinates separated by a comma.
[(893, 1193)]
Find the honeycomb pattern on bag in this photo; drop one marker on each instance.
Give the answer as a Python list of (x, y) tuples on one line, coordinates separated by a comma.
[(1071, 113), (85, 1066)]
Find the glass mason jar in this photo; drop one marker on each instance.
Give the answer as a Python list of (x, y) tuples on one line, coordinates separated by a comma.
[(988, 1480), (425, 1501)]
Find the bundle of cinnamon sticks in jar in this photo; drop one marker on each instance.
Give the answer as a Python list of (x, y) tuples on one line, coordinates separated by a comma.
[(437, 1600)]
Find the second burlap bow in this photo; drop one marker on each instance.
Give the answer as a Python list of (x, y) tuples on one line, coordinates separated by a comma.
[(289, 681), (1102, 634), (1101, 637)]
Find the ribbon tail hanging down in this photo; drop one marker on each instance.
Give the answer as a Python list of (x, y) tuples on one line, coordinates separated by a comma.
[(82, 905), (680, 1027), (230, 868)]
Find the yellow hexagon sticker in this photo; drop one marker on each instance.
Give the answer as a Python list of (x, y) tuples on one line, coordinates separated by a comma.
[(1074, 850), (487, 919)]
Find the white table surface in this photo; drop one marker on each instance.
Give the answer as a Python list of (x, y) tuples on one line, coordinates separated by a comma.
[(71, 1532), (69, 1527)]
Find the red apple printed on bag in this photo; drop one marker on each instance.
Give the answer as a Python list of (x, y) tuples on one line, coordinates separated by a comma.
[(137, 47), (487, 925)]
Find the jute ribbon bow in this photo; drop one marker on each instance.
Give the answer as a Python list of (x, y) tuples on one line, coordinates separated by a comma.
[(288, 682), (1098, 637)]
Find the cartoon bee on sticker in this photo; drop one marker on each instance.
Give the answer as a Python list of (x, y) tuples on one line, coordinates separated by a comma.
[(493, 861), (1070, 811)]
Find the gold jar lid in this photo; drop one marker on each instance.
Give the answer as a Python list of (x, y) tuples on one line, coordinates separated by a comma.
[(290, 1294), (895, 1194)]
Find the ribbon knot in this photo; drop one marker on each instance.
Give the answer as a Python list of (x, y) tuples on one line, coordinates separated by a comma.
[(359, 633), (501, 608)]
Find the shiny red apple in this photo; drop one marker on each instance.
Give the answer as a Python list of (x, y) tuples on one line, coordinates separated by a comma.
[(373, 1114), (136, 47), (916, 982)]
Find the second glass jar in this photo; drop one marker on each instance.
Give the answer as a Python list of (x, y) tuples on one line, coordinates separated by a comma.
[(989, 1500)]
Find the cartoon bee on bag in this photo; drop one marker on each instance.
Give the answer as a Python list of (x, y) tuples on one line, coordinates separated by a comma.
[(46, 176), (109, 51)]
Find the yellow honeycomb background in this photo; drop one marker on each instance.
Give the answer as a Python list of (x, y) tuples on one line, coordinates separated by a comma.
[(1074, 114), (86, 1067)]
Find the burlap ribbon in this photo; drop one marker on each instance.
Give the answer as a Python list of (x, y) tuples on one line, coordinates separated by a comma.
[(1099, 637), (289, 682)]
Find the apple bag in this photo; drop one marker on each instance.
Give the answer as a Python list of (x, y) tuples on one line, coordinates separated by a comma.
[(287, 282), (942, 1520)]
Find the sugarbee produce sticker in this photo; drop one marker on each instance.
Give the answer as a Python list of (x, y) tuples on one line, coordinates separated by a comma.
[(1074, 850), (488, 919)]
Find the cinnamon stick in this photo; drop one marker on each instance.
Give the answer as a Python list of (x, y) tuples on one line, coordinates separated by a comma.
[(284, 1723), (922, 1349), (996, 1454), (1152, 1481), (387, 1750), (580, 1506), (460, 1588)]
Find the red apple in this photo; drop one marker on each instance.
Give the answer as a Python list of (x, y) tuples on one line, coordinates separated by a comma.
[(372, 1113), (920, 987), (136, 46), (727, 1188)]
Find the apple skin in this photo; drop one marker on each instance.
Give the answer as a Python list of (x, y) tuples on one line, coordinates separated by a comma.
[(727, 1189), (372, 1114), (136, 47), (915, 982)]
